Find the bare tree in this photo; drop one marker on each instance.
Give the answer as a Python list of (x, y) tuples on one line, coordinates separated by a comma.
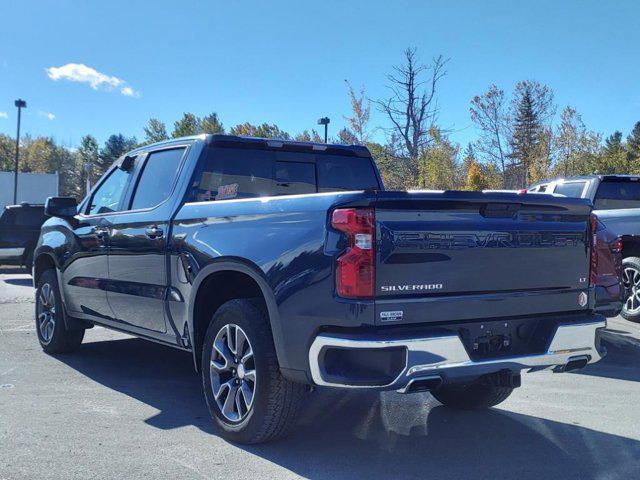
[(412, 107), (488, 112)]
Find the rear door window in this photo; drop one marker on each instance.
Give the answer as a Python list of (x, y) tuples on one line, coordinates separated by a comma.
[(617, 194), (229, 173), (570, 189), (157, 178), (295, 178)]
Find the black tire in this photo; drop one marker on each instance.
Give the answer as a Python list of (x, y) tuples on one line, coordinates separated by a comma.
[(275, 399), (54, 337), (475, 396), (630, 265), (28, 262)]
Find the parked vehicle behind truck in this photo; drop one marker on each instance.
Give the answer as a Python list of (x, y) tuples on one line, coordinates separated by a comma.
[(19, 230), (283, 265), (616, 200)]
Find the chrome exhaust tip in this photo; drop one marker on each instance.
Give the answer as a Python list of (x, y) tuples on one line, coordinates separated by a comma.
[(422, 384)]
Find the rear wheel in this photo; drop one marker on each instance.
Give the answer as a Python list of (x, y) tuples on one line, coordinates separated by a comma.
[(475, 396), (52, 332), (631, 283), (248, 398)]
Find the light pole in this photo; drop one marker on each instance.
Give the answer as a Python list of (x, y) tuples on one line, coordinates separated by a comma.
[(87, 172), (20, 104), (324, 121)]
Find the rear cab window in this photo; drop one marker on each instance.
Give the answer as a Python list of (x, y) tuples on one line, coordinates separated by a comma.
[(235, 173), (571, 189), (620, 193)]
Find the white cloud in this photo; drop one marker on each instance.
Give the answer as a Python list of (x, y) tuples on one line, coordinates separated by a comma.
[(4, 115), (129, 92), (79, 72), (48, 115)]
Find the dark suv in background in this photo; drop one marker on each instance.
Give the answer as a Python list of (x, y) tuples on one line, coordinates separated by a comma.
[(616, 201), (19, 230)]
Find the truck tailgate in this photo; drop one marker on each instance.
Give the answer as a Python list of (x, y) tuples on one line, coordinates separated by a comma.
[(452, 256)]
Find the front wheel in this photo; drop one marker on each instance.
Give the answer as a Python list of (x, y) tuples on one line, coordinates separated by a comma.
[(475, 396), (631, 284), (248, 398), (53, 334)]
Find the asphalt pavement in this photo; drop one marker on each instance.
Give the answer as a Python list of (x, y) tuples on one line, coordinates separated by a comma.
[(123, 408)]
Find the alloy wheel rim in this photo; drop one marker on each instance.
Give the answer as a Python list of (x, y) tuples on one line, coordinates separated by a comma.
[(631, 283), (46, 312), (233, 373)]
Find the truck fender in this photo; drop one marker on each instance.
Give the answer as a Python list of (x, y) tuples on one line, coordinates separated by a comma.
[(254, 273)]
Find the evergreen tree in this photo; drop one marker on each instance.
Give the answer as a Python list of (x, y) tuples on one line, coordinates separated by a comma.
[(633, 147), (211, 124), (155, 131), (613, 144), (188, 125), (476, 179), (114, 147), (532, 108), (264, 130)]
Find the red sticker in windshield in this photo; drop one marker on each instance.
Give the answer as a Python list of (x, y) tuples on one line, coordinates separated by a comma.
[(227, 191)]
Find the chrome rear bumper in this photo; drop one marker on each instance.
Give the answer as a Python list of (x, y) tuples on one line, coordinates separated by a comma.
[(447, 357)]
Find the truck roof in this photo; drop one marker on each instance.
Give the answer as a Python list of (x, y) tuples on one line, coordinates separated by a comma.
[(612, 176), (268, 144)]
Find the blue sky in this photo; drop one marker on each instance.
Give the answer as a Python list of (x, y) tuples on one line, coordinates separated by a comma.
[(286, 62)]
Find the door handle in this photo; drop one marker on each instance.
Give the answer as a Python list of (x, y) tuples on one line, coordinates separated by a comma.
[(153, 232), (100, 233)]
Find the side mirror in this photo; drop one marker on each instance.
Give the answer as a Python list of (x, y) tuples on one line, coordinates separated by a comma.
[(63, 207), (127, 162)]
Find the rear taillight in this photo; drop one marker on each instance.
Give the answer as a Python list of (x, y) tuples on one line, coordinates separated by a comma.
[(617, 246), (355, 270)]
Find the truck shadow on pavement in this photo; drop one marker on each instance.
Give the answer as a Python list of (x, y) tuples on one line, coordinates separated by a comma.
[(352, 435), (20, 282), (622, 361)]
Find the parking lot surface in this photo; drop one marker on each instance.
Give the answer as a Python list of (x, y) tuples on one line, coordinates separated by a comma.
[(124, 408)]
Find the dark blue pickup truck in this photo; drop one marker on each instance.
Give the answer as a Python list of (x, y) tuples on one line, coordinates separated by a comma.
[(284, 265)]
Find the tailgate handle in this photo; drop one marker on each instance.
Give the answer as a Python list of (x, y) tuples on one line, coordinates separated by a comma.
[(500, 210)]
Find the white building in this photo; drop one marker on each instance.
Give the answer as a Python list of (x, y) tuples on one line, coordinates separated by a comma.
[(32, 187)]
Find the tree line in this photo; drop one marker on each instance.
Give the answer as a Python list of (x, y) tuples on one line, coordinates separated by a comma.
[(521, 138)]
